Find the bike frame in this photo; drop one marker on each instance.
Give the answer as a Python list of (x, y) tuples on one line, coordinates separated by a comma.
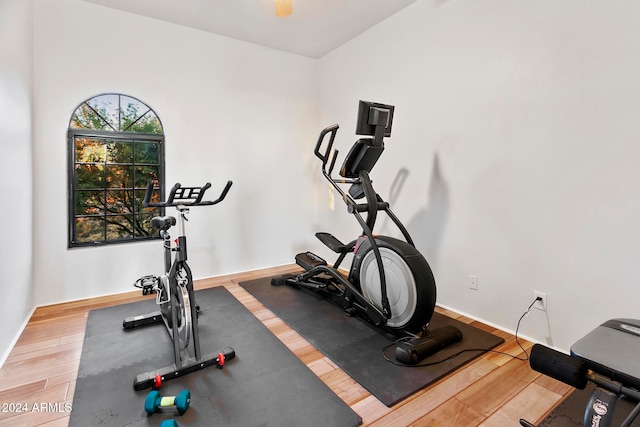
[(172, 267), (180, 198)]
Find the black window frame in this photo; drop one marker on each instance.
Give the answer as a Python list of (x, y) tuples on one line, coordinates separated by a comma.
[(113, 136)]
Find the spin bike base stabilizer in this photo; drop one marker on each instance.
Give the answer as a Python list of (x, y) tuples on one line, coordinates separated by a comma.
[(389, 284), (175, 294)]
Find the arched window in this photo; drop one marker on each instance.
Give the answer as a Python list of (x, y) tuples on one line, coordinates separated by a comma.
[(116, 145)]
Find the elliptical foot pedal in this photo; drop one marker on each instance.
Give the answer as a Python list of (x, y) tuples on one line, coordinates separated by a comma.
[(281, 280), (309, 260), (350, 312), (332, 242)]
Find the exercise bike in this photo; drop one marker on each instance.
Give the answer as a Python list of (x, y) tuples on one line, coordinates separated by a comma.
[(174, 291), (389, 283), (608, 358)]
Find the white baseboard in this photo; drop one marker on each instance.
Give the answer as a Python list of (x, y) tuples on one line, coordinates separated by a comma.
[(502, 328)]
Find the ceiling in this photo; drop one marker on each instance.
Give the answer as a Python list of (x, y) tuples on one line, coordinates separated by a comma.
[(315, 28)]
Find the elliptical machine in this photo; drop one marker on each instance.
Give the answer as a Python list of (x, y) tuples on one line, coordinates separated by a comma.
[(174, 292), (389, 284)]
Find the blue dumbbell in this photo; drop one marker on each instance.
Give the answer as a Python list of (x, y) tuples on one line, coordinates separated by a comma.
[(169, 423), (155, 401)]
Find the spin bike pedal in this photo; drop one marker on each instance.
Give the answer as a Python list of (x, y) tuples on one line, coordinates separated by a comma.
[(148, 284), (309, 260)]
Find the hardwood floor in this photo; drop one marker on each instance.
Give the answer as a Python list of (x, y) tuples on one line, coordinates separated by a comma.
[(492, 390)]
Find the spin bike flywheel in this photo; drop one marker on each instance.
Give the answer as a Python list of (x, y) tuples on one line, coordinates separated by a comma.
[(183, 328), (411, 288)]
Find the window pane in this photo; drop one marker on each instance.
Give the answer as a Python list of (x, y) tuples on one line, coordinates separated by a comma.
[(107, 108), (86, 117), (119, 201), (132, 111), (89, 176), (119, 176), (89, 203), (89, 229), (144, 174), (143, 225), (89, 150), (147, 152), (149, 209), (131, 104), (119, 152), (119, 227), (138, 117), (148, 123)]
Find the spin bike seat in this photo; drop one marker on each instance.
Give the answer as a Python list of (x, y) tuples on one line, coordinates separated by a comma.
[(163, 222), (613, 350)]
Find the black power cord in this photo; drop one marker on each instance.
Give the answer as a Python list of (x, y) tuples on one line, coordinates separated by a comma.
[(518, 327), (420, 365)]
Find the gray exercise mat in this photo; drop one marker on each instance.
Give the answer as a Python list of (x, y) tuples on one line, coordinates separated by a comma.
[(357, 347), (265, 385)]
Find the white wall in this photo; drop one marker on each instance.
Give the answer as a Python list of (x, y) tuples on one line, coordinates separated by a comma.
[(513, 151), (230, 110), (16, 260), (516, 131)]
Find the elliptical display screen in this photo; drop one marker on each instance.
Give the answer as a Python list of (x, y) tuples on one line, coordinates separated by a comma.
[(371, 114)]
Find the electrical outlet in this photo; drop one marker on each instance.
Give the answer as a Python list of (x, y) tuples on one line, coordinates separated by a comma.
[(540, 304), (472, 282)]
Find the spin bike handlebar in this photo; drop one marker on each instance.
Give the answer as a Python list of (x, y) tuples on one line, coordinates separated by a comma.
[(184, 196)]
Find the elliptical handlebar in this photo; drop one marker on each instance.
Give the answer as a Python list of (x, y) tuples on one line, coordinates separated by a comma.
[(333, 129), (184, 196)]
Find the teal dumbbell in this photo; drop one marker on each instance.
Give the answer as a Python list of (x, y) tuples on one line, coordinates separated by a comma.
[(155, 401), (169, 423)]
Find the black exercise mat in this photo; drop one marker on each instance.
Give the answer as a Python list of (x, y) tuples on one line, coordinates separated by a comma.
[(570, 412), (265, 385), (356, 346)]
